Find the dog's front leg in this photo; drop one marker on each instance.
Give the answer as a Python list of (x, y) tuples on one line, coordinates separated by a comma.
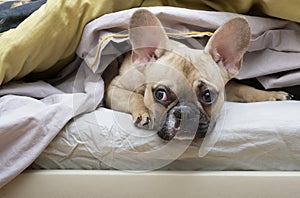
[(131, 102), (237, 92)]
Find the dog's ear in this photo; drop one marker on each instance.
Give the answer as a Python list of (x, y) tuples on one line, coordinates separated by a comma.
[(147, 36), (229, 43)]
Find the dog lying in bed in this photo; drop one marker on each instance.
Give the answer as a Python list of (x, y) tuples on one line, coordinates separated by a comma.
[(167, 86)]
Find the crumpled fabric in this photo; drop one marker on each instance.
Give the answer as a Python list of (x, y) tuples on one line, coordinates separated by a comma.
[(32, 113), (254, 136), (12, 13), (47, 40), (273, 56)]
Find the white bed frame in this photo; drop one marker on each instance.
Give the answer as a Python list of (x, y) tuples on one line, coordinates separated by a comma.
[(173, 184)]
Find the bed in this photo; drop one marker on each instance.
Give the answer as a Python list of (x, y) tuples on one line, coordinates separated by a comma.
[(79, 183), (86, 150)]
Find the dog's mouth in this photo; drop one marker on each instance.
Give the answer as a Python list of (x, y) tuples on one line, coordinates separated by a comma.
[(187, 121)]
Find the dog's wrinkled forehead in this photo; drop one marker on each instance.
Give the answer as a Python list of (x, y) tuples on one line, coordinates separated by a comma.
[(183, 65)]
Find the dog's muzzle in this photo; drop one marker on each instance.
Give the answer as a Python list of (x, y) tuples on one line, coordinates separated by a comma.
[(184, 122)]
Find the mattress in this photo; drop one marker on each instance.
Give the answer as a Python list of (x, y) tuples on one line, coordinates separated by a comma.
[(248, 136)]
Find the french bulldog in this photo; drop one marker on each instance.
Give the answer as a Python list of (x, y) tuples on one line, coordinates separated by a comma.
[(163, 83)]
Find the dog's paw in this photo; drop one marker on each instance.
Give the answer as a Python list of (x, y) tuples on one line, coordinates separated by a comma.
[(278, 96), (142, 120)]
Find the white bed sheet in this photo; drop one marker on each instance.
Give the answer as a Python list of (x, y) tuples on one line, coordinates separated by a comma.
[(255, 136)]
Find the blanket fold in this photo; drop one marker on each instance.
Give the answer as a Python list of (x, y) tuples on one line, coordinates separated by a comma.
[(47, 40), (49, 37)]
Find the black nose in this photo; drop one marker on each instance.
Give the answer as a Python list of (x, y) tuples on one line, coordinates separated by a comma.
[(187, 120), (185, 116), (177, 113), (166, 134), (183, 112)]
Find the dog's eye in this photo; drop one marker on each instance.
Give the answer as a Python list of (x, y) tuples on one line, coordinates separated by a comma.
[(161, 95), (206, 96), (164, 95)]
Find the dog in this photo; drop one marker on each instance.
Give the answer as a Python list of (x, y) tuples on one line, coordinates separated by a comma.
[(166, 85)]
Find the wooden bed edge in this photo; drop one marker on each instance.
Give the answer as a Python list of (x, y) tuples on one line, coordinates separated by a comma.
[(111, 183)]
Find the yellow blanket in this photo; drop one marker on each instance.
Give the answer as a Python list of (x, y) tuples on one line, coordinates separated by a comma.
[(46, 41)]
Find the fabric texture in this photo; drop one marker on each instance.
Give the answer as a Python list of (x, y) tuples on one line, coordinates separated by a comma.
[(46, 41), (49, 37), (12, 13), (249, 142), (273, 56), (33, 113)]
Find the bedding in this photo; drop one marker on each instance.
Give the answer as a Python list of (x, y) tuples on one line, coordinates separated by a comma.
[(104, 139), (12, 13), (63, 22), (255, 136), (44, 107)]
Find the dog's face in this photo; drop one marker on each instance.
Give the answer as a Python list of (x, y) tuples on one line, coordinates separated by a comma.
[(184, 87), (181, 91)]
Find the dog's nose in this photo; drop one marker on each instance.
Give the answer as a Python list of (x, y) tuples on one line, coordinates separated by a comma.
[(184, 122), (186, 116), (184, 112), (177, 113)]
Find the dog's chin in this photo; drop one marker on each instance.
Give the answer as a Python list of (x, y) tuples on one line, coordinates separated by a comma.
[(191, 126)]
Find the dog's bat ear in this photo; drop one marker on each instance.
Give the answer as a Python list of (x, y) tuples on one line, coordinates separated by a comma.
[(229, 43), (147, 36)]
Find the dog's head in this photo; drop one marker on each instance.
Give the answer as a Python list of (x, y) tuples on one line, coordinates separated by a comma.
[(185, 87)]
